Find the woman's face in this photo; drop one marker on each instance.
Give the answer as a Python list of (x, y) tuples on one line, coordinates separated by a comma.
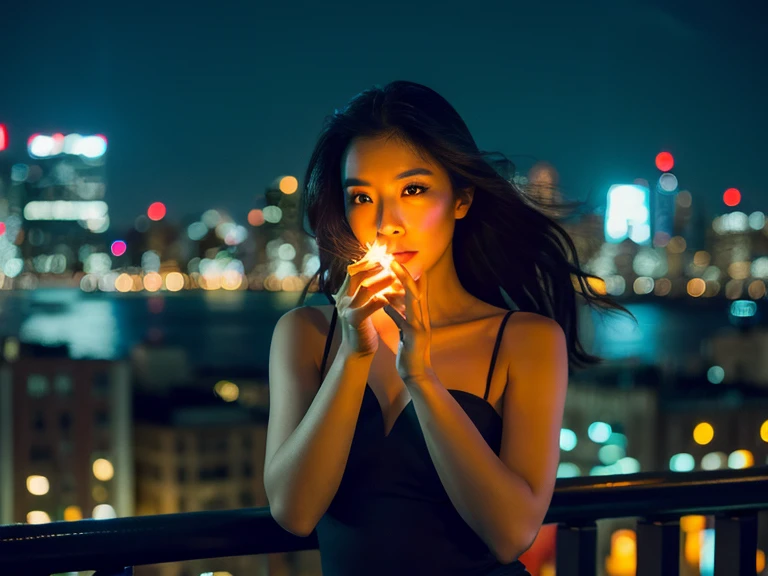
[(394, 196)]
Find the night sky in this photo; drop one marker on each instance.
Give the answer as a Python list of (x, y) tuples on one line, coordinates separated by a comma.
[(204, 107)]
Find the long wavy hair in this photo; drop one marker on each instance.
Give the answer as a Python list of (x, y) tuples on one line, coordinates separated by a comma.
[(507, 247)]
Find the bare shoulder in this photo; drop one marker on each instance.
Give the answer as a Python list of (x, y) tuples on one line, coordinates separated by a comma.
[(307, 327), (530, 333)]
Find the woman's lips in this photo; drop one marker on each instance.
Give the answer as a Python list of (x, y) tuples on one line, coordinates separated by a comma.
[(403, 257)]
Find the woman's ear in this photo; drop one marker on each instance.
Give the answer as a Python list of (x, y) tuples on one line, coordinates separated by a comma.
[(463, 202)]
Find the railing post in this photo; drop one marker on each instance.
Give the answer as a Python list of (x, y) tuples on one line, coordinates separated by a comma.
[(576, 550), (736, 544), (658, 547)]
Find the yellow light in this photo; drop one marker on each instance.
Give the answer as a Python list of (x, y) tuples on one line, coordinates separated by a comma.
[(622, 560), (703, 433), (38, 517), (73, 513), (288, 185), (228, 391), (153, 282), (764, 431), (38, 485), (231, 280), (696, 287), (103, 469), (760, 561), (174, 281), (693, 523), (692, 550), (124, 283)]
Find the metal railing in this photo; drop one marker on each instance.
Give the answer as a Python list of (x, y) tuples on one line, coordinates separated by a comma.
[(657, 500)]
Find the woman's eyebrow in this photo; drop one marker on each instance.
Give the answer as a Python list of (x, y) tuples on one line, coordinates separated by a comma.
[(407, 174)]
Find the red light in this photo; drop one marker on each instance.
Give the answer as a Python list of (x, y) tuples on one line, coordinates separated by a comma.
[(2, 228), (732, 197), (664, 161), (118, 248), (156, 211), (3, 137)]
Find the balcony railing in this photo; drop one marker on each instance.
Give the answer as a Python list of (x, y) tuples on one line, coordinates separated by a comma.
[(658, 500)]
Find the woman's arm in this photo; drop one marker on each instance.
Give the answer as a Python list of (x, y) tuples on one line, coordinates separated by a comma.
[(310, 426), (503, 498)]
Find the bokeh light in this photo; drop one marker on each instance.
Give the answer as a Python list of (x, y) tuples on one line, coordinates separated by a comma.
[(156, 211), (38, 485), (38, 517), (73, 513), (716, 374), (288, 185), (568, 440), (739, 459), (665, 161), (732, 197), (764, 431), (599, 432), (103, 469), (256, 217), (118, 248), (703, 433)]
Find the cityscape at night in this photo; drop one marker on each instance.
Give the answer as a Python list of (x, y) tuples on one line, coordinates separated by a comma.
[(136, 321)]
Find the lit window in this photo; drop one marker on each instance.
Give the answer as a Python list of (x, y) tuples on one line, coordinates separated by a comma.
[(37, 385)]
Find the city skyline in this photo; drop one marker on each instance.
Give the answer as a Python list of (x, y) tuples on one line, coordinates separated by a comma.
[(597, 90)]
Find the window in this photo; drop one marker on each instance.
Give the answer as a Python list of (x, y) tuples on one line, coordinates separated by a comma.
[(37, 385), (39, 421), (63, 384), (247, 470), (101, 383), (39, 453), (181, 446), (65, 421), (213, 473), (181, 474)]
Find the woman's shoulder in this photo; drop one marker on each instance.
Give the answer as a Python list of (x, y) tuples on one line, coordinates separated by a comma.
[(314, 319)]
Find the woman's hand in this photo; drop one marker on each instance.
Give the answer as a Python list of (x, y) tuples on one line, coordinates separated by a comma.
[(359, 296), (412, 319)]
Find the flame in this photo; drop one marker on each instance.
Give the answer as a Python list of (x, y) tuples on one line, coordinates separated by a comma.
[(378, 253)]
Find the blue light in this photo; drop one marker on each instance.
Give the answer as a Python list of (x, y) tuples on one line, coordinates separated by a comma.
[(628, 214), (682, 463), (743, 308), (715, 374), (568, 440), (599, 432)]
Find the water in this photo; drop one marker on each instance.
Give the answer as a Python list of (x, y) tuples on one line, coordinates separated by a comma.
[(233, 329)]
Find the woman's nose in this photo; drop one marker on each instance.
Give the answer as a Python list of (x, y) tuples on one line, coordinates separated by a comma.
[(390, 222)]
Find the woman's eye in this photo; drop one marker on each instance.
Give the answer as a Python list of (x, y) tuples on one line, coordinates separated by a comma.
[(418, 187), (353, 198)]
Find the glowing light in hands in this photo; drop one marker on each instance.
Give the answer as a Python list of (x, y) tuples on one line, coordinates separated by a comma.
[(378, 253)]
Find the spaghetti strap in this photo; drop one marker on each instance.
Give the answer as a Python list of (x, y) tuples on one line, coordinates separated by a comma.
[(328, 340), (496, 353)]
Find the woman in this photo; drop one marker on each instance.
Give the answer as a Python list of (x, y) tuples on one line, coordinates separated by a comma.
[(385, 434)]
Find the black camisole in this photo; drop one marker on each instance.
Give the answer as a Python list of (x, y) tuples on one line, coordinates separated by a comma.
[(391, 515)]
